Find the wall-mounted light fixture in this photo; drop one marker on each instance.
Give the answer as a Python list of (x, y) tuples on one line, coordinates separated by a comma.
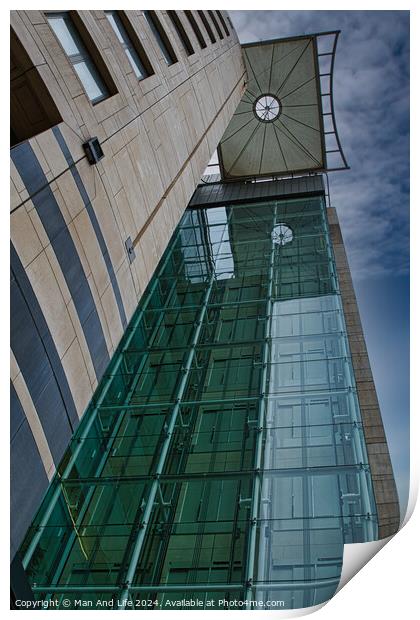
[(93, 150)]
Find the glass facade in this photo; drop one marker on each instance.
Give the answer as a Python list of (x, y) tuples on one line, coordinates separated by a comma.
[(223, 457)]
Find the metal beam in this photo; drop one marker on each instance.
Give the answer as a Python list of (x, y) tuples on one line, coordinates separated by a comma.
[(109, 445), (147, 512), (56, 495), (194, 587), (138, 546), (252, 541)]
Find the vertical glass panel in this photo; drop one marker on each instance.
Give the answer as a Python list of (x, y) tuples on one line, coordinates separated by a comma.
[(86, 74), (65, 33), (116, 25), (124, 38), (78, 55), (223, 457), (135, 62)]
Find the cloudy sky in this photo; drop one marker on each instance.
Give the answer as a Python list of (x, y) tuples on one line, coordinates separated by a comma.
[(371, 95)]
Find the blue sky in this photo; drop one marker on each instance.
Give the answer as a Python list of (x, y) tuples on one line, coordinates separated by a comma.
[(371, 95)]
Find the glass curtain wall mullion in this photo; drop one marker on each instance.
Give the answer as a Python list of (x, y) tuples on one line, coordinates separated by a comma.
[(244, 454), (194, 421), (146, 513), (269, 472), (160, 485), (361, 445), (109, 446), (90, 420), (329, 247), (257, 483)]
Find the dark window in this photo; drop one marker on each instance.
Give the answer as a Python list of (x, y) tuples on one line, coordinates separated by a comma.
[(32, 109), (80, 49), (131, 45), (196, 29), (181, 32), (222, 21), (161, 37), (216, 24), (230, 21), (207, 26)]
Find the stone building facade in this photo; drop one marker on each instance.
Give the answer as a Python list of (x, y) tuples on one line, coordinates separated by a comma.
[(87, 238)]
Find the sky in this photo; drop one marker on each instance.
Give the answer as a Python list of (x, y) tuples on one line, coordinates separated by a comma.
[(371, 99)]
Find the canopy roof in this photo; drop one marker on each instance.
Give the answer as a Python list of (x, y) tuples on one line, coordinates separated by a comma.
[(278, 127)]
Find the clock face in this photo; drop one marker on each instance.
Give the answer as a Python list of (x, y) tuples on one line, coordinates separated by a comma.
[(281, 234), (267, 108)]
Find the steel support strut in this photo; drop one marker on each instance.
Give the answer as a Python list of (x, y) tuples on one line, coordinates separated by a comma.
[(256, 491), (109, 446), (56, 495), (164, 452), (147, 512)]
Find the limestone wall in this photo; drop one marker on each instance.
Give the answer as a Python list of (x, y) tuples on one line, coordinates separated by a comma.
[(74, 288)]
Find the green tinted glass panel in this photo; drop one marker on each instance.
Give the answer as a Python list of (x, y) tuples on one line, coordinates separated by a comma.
[(222, 458)]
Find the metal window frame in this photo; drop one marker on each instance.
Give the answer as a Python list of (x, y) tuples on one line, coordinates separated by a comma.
[(126, 585), (84, 55), (133, 46), (329, 96)]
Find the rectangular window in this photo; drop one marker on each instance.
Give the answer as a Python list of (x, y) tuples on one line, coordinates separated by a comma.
[(216, 24), (222, 21), (196, 29), (132, 47), (207, 26), (75, 49), (161, 37), (181, 32)]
